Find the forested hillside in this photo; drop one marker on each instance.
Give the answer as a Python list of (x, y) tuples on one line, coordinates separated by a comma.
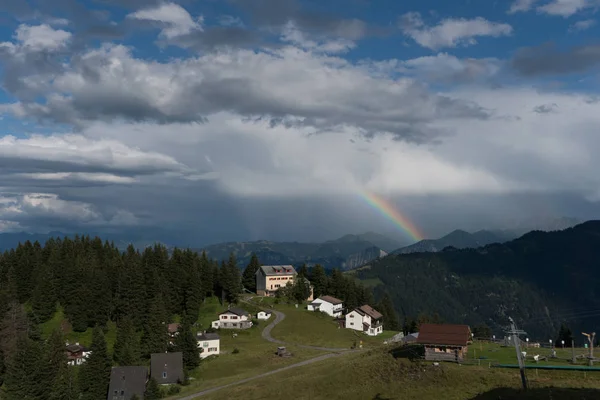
[(95, 285), (540, 279)]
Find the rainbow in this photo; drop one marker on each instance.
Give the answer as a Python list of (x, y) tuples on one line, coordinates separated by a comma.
[(391, 213)]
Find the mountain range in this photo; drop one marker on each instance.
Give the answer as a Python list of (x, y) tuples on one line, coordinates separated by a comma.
[(541, 279)]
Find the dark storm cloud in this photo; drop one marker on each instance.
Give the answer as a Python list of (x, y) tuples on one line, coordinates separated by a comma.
[(547, 59)]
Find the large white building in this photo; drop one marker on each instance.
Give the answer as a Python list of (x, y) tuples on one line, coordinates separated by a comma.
[(365, 319), (233, 318), (327, 304), (209, 344)]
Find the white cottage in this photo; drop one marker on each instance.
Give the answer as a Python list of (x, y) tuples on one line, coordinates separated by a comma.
[(327, 304), (263, 315), (209, 344), (365, 319), (233, 318)]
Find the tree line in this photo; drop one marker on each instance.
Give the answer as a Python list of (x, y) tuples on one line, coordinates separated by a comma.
[(93, 282)]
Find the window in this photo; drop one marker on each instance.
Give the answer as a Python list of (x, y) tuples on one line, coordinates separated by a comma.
[(165, 375), (351, 315), (234, 317), (223, 316), (352, 323), (234, 325), (205, 344), (122, 393), (212, 349)]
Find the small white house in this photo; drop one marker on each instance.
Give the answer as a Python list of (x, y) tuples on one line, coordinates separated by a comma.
[(209, 344), (263, 315), (327, 304), (233, 318), (76, 354), (365, 319)]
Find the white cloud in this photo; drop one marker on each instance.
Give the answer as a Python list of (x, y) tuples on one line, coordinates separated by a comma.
[(565, 8), (38, 38), (582, 25), (521, 6), (21, 209), (451, 32), (446, 67), (176, 20)]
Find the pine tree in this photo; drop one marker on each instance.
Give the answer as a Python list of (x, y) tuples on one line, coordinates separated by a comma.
[(390, 317), (44, 298), (23, 370), (153, 391), (319, 281), (300, 290), (249, 275), (303, 271), (126, 350), (186, 343), (230, 279), (94, 374), (564, 334), (154, 334), (58, 374)]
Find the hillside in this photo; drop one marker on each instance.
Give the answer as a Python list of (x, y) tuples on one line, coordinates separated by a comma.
[(347, 252), (541, 279), (458, 239)]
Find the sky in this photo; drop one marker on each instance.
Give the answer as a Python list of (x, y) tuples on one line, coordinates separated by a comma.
[(226, 120)]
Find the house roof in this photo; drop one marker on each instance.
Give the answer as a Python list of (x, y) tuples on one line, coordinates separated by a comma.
[(75, 348), (330, 299), (368, 310), (173, 327), (172, 363), (129, 380), (236, 311), (444, 334), (207, 336), (277, 269)]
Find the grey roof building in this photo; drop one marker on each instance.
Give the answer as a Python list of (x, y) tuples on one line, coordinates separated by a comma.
[(237, 311), (126, 382), (207, 336), (167, 368)]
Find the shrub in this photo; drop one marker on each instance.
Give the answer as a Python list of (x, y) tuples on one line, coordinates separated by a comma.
[(235, 350)]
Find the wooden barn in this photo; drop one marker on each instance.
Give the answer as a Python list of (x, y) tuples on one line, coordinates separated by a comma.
[(444, 342)]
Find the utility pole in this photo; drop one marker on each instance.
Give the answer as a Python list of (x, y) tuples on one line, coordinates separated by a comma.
[(514, 333), (590, 338)]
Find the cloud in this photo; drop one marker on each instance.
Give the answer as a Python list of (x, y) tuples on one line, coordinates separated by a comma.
[(582, 25), (288, 86), (565, 8), (451, 69), (450, 32), (174, 19), (521, 6), (547, 59), (562, 8), (278, 13), (546, 108), (38, 38)]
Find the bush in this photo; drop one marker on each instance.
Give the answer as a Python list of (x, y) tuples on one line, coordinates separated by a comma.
[(235, 350), (173, 389)]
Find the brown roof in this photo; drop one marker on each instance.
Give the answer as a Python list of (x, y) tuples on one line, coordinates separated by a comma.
[(370, 311), (331, 299), (444, 334), (173, 327)]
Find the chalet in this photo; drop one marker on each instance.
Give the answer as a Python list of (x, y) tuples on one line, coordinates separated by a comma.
[(366, 319), (444, 342), (234, 318), (167, 368), (327, 304), (209, 344), (269, 278), (76, 354), (264, 315), (125, 382)]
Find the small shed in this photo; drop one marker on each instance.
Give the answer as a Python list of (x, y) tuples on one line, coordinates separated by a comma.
[(264, 315), (444, 342)]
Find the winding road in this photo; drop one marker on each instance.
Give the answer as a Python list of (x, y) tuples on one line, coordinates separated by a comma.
[(266, 334)]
